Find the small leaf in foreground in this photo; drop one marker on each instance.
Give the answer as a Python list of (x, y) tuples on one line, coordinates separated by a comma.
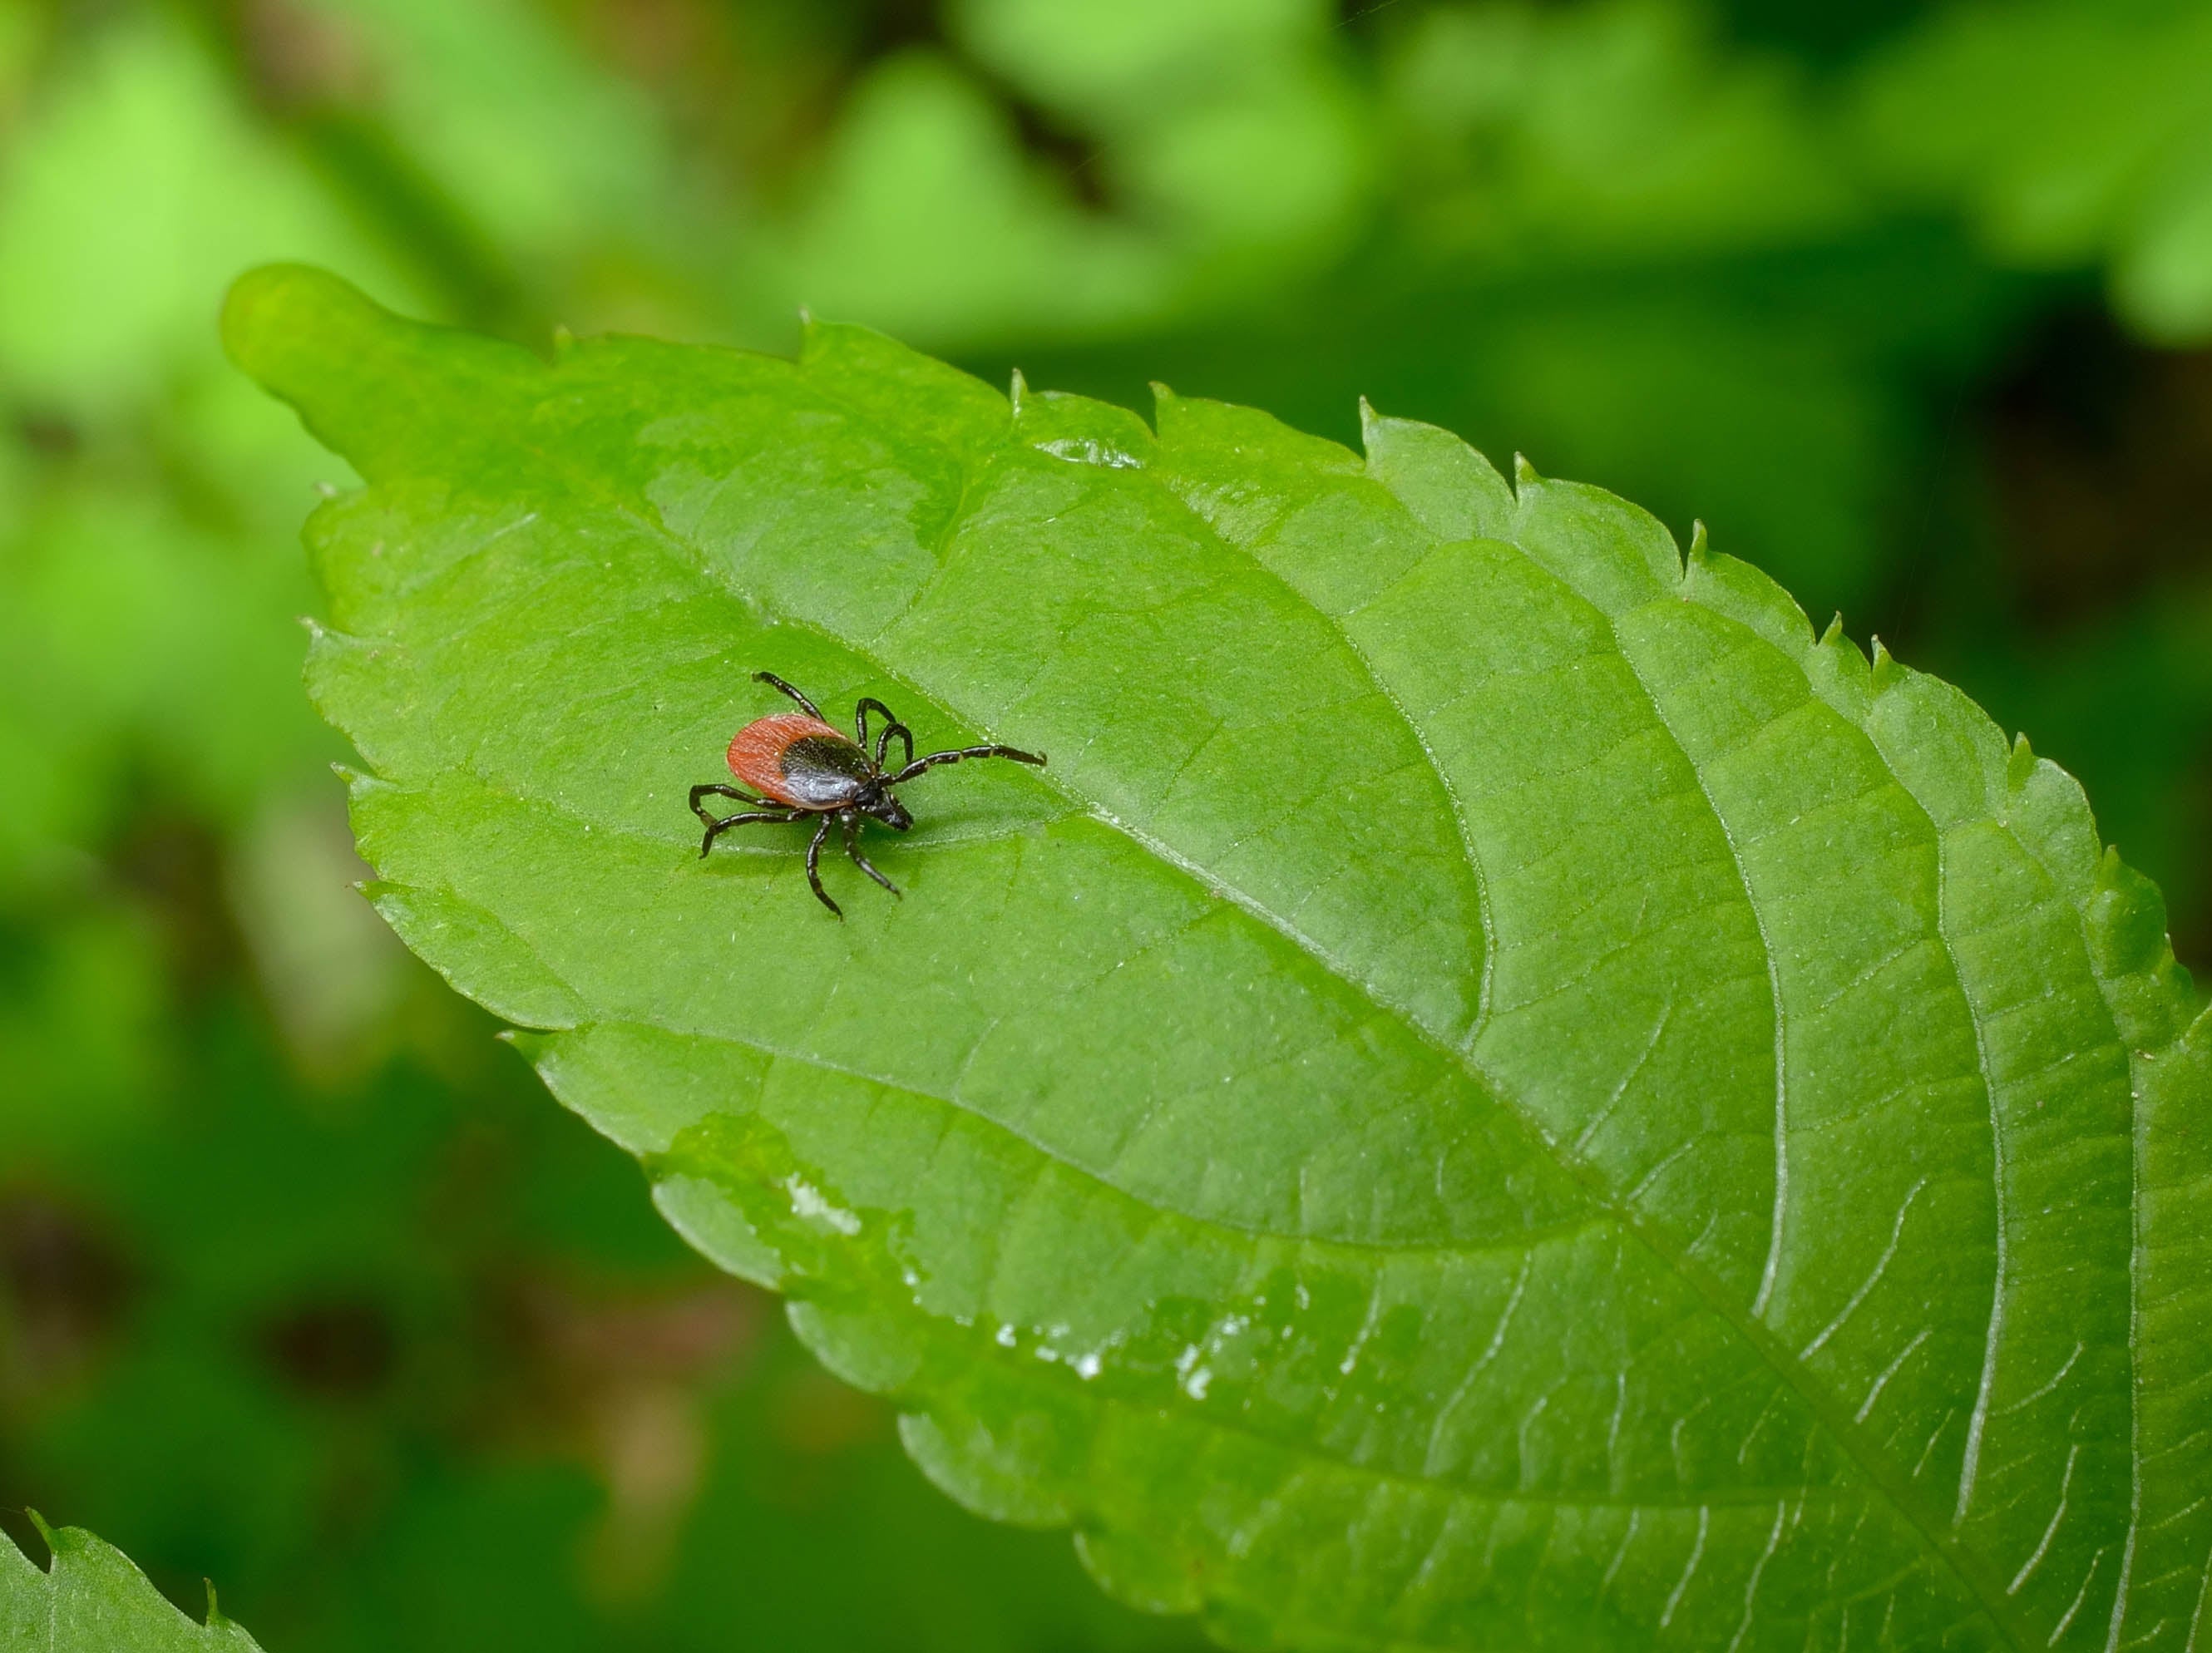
[(1500, 1092), (91, 1599)]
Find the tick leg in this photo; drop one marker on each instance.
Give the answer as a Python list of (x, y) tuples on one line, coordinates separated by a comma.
[(883, 741), (959, 754), (892, 727), (716, 828), (779, 684), (853, 849), (814, 867), (717, 789)]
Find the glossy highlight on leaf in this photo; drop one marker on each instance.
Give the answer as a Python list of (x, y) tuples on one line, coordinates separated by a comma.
[(1499, 1092)]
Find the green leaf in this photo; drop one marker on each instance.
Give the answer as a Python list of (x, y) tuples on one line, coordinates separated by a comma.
[(1497, 1093), (91, 1600)]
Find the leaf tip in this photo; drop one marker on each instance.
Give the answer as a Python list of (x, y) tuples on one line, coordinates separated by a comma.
[(269, 310), (1017, 388), (2019, 763), (1834, 634), (1524, 474), (1701, 550)]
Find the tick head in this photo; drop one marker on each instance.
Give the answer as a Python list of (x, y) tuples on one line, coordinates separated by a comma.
[(888, 809)]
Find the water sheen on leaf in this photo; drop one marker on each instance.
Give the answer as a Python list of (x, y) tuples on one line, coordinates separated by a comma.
[(91, 1599), (1498, 1092)]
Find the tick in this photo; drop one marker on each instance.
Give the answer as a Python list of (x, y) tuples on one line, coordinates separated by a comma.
[(802, 767)]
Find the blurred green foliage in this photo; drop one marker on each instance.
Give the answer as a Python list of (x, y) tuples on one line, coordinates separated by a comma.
[(302, 1285)]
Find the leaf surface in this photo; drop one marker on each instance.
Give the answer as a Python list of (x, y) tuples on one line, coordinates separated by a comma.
[(91, 1599), (1496, 1091)]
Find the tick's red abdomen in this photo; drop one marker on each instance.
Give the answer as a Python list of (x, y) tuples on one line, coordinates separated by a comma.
[(756, 754)]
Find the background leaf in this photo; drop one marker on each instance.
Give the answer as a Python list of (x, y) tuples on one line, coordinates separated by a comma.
[(2072, 133), (91, 1599), (1497, 1089)]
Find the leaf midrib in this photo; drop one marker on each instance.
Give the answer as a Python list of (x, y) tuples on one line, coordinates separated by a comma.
[(1896, 1488)]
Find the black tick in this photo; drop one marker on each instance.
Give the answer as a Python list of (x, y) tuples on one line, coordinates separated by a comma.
[(803, 767)]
